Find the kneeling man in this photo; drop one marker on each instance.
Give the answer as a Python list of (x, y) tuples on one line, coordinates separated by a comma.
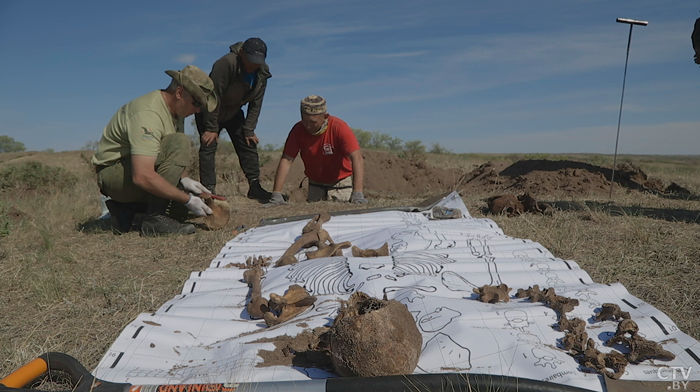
[(332, 158), (143, 155)]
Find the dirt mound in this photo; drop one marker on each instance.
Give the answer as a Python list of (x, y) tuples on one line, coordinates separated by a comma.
[(550, 177), (386, 175)]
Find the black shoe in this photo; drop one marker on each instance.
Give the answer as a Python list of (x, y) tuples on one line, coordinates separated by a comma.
[(160, 225), (123, 214), (258, 193)]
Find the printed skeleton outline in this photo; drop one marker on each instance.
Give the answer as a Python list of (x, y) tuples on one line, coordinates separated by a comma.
[(418, 263), (545, 357), (432, 239), (517, 319), (456, 282), (454, 355), (323, 276), (437, 320), (479, 247)]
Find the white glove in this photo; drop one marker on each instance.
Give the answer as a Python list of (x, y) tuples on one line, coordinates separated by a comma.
[(276, 200), (358, 198), (197, 206), (193, 186)]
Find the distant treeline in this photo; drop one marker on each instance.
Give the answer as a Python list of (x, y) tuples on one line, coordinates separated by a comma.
[(381, 141)]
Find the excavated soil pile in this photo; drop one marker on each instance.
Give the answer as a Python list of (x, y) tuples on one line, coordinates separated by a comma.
[(569, 177), (386, 175), (371, 337)]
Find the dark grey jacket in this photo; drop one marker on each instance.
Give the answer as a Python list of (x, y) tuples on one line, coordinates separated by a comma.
[(696, 36), (233, 92)]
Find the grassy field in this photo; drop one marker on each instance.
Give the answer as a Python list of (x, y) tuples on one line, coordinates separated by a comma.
[(73, 291)]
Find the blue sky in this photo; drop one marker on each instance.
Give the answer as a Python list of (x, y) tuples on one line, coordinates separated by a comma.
[(498, 76)]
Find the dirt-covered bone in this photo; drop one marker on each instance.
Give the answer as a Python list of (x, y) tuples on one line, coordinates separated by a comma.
[(285, 307), (611, 312), (493, 294), (529, 203), (532, 205), (505, 204), (574, 342), (575, 325), (329, 250), (258, 305), (601, 362), (562, 304), (250, 262), (534, 294), (383, 251), (549, 296), (372, 337), (640, 349), (312, 235), (316, 222), (221, 213)]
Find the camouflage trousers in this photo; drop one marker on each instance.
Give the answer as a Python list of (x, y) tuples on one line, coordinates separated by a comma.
[(340, 191), (116, 181)]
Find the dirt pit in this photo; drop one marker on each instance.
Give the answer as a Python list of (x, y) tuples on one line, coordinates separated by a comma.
[(540, 177), (386, 175)]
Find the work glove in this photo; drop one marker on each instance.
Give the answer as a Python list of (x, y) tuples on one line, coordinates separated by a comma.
[(358, 198), (193, 186), (197, 206), (276, 200)]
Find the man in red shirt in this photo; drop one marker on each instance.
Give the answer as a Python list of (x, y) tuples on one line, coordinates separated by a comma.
[(330, 152)]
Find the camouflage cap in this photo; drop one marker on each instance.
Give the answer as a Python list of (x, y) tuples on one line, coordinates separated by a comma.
[(197, 83), (313, 104)]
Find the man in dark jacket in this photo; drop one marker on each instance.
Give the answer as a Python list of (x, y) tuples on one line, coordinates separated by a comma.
[(240, 78), (696, 40)]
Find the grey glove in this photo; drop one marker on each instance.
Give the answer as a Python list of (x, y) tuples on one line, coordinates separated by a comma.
[(197, 206), (276, 200), (358, 198)]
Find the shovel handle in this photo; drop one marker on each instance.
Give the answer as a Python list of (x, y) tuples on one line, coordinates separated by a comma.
[(26, 374)]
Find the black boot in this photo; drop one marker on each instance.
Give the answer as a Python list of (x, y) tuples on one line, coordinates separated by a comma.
[(257, 192), (123, 214), (157, 223)]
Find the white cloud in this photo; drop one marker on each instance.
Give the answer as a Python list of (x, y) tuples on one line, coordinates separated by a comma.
[(186, 58)]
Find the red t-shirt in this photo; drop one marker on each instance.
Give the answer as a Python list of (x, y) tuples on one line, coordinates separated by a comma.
[(325, 156)]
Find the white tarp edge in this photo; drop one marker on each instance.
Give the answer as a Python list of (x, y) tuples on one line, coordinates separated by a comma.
[(204, 335)]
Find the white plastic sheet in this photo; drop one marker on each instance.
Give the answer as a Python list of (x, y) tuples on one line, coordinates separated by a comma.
[(204, 335)]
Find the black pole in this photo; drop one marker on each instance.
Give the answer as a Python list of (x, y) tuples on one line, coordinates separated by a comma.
[(631, 22), (619, 117)]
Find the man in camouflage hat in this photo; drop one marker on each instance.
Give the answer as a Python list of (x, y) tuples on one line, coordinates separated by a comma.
[(143, 154), (331, 154), (240, 78)]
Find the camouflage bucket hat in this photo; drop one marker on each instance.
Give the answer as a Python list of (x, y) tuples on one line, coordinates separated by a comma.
[(313, 104), (197, 83)]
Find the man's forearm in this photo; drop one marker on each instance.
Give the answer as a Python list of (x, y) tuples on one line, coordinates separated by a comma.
[(281, 175), (358, 172), (156, 185)]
